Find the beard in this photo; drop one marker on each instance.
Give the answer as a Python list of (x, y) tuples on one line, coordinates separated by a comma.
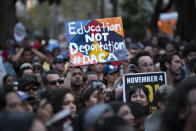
[(76, 85), (176, 72)]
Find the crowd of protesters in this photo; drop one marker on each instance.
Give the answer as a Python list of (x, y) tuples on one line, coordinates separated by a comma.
[(41, 90)]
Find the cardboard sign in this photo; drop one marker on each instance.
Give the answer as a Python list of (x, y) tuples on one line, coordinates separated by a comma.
[(151, 80), (19, 32), (96, 41)]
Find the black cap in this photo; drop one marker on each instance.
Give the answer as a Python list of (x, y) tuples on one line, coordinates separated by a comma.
[(27, 79), (58, 58)]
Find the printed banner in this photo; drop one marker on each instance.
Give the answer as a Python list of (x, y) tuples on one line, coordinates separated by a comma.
[(151, 80), (96, 41)]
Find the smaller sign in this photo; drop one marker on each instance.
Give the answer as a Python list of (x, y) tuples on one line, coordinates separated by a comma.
[(151, 80), (19, 32)]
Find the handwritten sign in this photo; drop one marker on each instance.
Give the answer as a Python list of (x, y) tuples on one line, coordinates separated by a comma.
[(96, 41)]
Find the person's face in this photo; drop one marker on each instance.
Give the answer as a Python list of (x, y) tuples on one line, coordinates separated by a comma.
[(27, 56), (56, 52), (145, 64), (177, 39), (181, 49), (140, 97), (76, 79), (169, 47), (125, 112), (31, 89), (133, 51), (13, 103), (91, 78), (60, 66), (69, 104), (10, 56), (191, 55), (148, 49), (37, 69), (98, 68), (37, 125), (54, 81), (111, 77), (155, 40), (176, 65), (93, 99), (9, 80), (28, 72)]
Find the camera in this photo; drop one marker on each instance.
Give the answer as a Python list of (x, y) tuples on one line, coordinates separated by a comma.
[(98, 85), (132, 67)]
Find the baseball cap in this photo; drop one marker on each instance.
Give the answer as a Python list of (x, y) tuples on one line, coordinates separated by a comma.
[(27, 79), (26, 65), (37, 64), (108, 69), (58, 58)]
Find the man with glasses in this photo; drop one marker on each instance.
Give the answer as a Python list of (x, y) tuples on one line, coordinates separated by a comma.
[(52, 80), (144, 62)]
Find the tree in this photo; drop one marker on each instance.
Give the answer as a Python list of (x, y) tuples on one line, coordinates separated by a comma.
[(8, 20), (136, 18), (186, 25)]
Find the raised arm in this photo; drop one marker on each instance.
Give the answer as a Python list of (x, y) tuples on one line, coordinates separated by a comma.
[(39, 54), (67, 80), (18, 56)]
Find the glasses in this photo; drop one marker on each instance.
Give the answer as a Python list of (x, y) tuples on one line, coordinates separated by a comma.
[(94, 85), (145, 65), (28, 88), (60, 81)]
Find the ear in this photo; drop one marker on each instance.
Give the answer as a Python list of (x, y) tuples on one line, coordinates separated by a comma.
[(167, 65)]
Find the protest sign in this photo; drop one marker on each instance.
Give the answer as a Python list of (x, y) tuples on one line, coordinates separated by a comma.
[(151, 80), (96, 41), (19, 32)]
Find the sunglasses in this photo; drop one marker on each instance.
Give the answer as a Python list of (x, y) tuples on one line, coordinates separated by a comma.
[(60, 81), (28, 88)]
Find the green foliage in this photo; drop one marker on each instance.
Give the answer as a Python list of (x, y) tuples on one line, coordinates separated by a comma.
[(135, 18), (46, 17), (38, 18)]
